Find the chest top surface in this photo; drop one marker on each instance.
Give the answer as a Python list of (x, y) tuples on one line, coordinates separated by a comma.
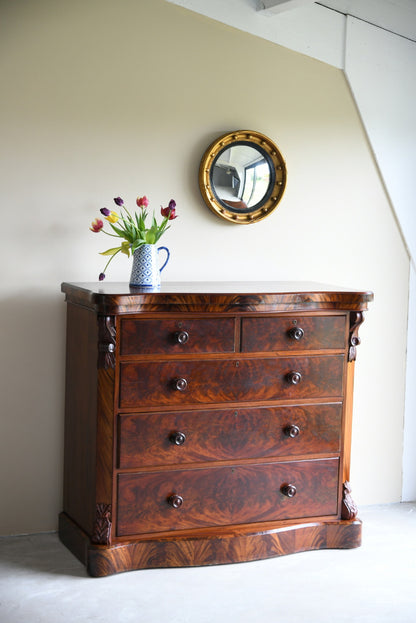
[(222, 296)]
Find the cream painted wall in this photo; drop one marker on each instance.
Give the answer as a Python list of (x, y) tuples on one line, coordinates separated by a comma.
[(104, 98)]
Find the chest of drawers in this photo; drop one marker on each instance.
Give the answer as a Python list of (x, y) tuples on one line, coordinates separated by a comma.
[(208, 423)]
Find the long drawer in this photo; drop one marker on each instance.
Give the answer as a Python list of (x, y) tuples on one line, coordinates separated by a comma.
[(183, 499), (147, 439), (229, 380)]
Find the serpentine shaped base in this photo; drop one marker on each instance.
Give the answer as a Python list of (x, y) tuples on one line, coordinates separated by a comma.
[(238, 544)]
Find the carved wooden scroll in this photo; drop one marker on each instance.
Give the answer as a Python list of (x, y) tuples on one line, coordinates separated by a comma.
[(102, 526), (356, 319), (106, 342), (349, 508)]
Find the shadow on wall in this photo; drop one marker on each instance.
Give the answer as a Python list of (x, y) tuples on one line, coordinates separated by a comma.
[(32, 391)]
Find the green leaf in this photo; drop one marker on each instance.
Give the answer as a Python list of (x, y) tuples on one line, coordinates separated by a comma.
[(125, 248), (151, 237), (118, 230), (162, 230), (140, 219), (111, 251)]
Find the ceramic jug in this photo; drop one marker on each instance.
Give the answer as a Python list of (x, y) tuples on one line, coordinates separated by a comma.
[(145, 271)]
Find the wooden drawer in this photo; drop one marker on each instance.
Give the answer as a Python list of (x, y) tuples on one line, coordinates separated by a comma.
[(184, 382), (176, 336), (293, 333), (225, 495), (148, 439)]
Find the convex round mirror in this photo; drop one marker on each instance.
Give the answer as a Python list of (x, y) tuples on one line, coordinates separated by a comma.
[(242, 176)]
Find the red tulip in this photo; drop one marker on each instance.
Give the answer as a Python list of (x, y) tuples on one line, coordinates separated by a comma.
[(142, 202), (170, 211), (97, 225)]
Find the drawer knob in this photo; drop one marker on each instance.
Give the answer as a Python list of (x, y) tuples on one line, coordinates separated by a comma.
[(175, 500), (296, 333), (177, 438), (288, 490), (292, 431), (182, 337), (294, 377), (180, 384)]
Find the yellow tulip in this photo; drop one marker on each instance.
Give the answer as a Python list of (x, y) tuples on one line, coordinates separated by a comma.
[(112, 217)]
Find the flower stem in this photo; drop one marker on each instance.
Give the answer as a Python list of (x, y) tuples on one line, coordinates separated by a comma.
[(108, 234), (111, 258)]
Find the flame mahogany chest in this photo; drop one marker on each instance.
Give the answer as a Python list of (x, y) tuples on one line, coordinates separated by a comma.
[(208, 423)]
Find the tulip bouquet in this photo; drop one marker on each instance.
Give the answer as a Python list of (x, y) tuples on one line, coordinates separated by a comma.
[(132, 227)]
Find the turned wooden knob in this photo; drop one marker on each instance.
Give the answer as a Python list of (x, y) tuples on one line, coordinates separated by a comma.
[(180, 384), (288, 490), (292, 431), (177, 438), (182, 337), (175, 500), (294, 378), (296, 333)]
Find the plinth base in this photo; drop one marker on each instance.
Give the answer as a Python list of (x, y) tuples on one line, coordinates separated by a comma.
[(208, 547)]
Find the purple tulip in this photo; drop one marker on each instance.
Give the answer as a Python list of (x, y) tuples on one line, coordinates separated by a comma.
[(101, 276), (170, 211), (105, 211), (119, 201)]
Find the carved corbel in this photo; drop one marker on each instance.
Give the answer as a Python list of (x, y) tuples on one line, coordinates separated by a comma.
[(349, 508), (106, 342), (102, 525), (356, 320)]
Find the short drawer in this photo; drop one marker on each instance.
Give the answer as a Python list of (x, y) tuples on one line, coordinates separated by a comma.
[(183, 499), (176, 336), (149, 439), (228, 380), (293, 333)]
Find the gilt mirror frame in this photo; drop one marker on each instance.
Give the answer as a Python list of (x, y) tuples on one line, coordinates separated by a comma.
[(264, 152)]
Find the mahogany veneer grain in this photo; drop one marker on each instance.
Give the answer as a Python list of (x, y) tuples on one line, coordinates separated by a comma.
[(145, 439), (208, 423), (240, 380), (221, 496), (201, 549), (202, 335)]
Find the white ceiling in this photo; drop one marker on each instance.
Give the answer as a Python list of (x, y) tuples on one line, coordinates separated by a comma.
[(314, 28), (397, 16)]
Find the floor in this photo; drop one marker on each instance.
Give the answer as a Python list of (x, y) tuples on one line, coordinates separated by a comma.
[(41, 582)]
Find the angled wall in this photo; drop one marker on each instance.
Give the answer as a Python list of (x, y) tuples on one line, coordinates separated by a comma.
[(381, 70)]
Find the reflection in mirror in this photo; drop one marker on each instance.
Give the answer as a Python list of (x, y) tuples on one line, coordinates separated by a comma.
[(242, 176)]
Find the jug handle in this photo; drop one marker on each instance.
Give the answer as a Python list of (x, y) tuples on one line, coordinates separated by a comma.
[(167, 256)]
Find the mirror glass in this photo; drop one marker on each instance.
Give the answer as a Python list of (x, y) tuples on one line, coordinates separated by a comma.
[(242, 176)]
